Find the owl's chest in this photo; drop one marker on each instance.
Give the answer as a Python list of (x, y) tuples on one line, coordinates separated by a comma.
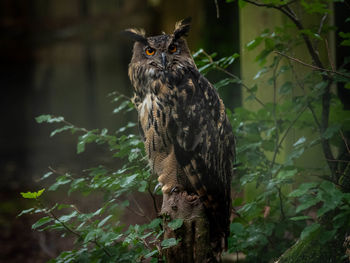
[(154, 116)]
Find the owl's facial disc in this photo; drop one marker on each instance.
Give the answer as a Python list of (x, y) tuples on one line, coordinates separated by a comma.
[(164, 60), (162, 55)]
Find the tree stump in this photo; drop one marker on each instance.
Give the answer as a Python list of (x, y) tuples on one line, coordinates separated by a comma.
[(194, 245)]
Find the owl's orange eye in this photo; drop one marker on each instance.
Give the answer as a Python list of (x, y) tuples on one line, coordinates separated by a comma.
[(172, 48), (150, 51)]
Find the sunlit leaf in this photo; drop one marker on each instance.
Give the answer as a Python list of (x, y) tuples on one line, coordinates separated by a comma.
[(32, 195)]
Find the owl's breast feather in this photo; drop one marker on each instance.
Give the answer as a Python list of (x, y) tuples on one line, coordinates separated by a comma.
[(145, 107)]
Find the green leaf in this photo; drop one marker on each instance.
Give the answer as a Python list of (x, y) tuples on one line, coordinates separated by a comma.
[(64, 128), (143, 186), (236, 228), (27, 211), (346, 41), (80, 147), (224, 82), (42, 221), (66, 218), (296, 153), (45, 176), (300, 141), (307, 205), (331, 130), (121, 107), (254, 43), (325, 236), (42, 118), (299, 218), (241, 3), (176, 223), (62, 180), (286, 88), (166, 243), (93, 235), (152, 253), (302, 189), (48, 118), (286, 174), (155, 223), (308, 230), (261, 72), (104, 221), (128, 181), (33, 195)]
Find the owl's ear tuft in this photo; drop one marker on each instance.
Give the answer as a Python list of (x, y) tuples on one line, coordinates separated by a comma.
[(182, 27), (137, 35)]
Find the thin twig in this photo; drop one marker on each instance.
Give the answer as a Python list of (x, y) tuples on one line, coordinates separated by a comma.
[(274, 111), (153, 199), (135, 212), (286, 133), (123, 96), (329, 56), (301, 85), (327, 78), (312, 66), (142, 212), (345, 141), (269, 5), (323, 19), (53, 216), (338, 161), (281, 203), (243, 85), (217, 8), (285, 9), (233, 76), (319, 31)]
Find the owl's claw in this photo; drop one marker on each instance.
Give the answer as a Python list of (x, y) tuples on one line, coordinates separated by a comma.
[(175, 190), (159, 185)]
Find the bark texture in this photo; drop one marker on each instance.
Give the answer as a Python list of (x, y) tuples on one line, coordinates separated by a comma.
[(194, 245), (310, 250)]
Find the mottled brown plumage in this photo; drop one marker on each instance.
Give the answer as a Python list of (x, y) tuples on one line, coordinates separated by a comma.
[(186, 133)]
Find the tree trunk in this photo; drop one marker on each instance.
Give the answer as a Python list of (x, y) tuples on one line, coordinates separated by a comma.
[(193, 235), (310, 250)]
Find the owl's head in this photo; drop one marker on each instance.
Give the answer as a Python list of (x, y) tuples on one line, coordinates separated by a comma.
[(164, 53)]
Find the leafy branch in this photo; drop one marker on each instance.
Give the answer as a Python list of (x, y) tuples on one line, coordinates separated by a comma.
[(217, 66), (312, 66)]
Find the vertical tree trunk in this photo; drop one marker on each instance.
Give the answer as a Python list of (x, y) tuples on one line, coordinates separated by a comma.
[(194, 244)]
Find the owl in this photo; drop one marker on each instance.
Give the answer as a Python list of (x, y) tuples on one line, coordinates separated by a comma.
[(186, 133)]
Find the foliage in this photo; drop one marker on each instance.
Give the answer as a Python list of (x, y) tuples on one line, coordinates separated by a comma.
[(270, 220), (287, 201), (99, 235)]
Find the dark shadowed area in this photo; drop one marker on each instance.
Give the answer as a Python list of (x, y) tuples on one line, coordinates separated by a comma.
[(64, 57)]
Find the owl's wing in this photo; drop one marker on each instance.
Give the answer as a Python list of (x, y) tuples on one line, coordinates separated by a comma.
[(204, 144)]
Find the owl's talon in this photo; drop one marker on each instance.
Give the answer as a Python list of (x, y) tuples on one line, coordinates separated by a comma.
[(157, 187), (175, 190)]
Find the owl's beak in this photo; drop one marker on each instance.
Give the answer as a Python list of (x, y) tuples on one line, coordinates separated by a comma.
[(163, 58)]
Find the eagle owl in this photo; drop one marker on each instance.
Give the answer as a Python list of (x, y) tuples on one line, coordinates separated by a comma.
[(187, 136)]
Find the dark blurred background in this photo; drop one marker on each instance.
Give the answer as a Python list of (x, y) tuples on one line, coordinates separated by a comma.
[(63, 57)]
